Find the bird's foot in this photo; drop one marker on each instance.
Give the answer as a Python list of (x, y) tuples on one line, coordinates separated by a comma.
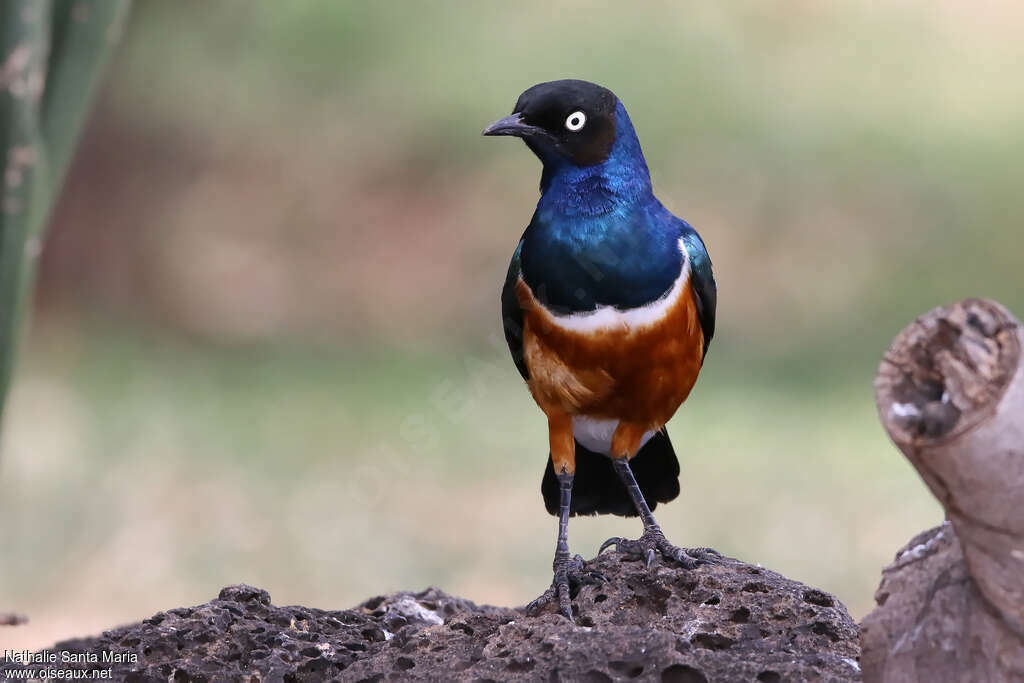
[(569, 573), (653, 541)]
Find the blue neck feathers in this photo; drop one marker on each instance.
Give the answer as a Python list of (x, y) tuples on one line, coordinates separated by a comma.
[(599, 237), (622, 179)]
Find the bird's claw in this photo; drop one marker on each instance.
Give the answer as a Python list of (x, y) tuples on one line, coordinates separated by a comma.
[(653, 541), (569, 572)]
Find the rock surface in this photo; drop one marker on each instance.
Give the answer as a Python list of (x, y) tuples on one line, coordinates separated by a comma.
[(730, 622), (933, 624)]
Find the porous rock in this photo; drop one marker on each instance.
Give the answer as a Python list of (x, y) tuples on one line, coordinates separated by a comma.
[(728, 622)]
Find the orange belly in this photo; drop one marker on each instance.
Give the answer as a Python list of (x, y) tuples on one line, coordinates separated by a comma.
[(637, 374)]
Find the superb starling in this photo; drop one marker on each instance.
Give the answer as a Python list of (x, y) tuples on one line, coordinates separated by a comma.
[(608, 307)]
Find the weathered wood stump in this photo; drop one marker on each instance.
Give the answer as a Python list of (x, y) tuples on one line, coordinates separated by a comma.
[(950, 393)]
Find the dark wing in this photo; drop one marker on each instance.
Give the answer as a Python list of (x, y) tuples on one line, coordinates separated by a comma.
[(705, 291), (512, 315)]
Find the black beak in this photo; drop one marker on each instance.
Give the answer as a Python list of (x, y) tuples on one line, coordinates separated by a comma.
[(512, 125)]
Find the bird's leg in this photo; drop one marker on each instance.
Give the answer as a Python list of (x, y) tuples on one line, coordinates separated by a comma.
[(568, 571), (653, 539)]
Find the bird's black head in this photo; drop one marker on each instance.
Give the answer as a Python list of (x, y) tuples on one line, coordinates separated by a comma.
[(570, 119)]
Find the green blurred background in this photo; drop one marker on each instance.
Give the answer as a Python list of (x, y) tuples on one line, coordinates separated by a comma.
[(267, 347)]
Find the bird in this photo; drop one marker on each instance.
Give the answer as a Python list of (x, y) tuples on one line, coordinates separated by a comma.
[(608, 309)]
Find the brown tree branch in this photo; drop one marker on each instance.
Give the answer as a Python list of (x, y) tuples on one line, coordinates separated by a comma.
[(950, 393), (7, 619)]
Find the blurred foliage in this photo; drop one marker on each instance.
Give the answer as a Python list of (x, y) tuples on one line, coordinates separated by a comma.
[(53, 55), (269, 345)]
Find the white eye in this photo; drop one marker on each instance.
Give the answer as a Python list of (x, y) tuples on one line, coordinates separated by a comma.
[(575, 121)]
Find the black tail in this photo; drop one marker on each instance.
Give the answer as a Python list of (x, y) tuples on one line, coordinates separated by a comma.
[(597, 490)]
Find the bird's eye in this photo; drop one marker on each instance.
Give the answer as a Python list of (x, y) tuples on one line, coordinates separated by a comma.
[(575, 121)]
